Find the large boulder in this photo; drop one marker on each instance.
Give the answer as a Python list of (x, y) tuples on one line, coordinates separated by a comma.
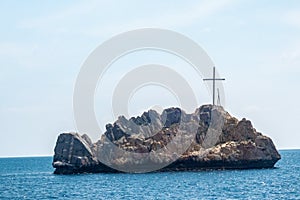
[(74, 154), (216, 140)]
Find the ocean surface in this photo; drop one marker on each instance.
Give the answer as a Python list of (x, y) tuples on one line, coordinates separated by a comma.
[(33, 178)]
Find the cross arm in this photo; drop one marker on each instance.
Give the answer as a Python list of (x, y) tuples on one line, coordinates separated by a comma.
[(211, 79)]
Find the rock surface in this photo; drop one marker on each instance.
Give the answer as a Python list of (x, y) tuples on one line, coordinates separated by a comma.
[(209, 138)]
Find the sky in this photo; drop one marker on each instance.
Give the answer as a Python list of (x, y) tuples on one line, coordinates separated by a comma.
[(255, 45)]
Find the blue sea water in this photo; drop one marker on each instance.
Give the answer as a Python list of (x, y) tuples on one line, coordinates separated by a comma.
[(33, 178)]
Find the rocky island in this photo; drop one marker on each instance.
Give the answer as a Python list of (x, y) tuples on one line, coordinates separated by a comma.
[(209, 138)]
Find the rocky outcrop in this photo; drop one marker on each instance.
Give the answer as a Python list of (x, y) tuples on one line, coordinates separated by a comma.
[(209, 138)]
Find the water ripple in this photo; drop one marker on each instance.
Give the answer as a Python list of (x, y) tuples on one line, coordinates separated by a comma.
[(32, 178)]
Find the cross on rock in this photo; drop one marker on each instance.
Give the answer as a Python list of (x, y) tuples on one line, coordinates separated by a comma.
[(214, 79)]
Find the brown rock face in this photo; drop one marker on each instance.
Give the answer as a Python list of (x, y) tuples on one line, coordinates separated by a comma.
[(215, 139)]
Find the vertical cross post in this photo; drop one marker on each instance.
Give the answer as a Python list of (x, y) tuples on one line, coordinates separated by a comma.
[(214, 79)]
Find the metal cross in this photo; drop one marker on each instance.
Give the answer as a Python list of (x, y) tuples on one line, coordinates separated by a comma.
[(214, 79)]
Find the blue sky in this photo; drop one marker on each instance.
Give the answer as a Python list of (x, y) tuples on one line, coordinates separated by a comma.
[(254, 44)]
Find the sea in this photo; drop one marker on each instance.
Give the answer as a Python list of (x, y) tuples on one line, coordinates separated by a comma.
[(33, 178)]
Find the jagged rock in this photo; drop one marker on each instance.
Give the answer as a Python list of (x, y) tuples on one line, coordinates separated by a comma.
[(171, 116), (72, 152), (209, 138)]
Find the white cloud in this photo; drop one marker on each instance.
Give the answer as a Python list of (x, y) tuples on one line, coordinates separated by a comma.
[(178, 18), (24, 55), (12, 49), (289, 58), (85, 18), (20, 54), (292, 54), (58, 18), (292, 18)]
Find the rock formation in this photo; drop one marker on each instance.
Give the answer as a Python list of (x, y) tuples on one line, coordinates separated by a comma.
[(209, 138)]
